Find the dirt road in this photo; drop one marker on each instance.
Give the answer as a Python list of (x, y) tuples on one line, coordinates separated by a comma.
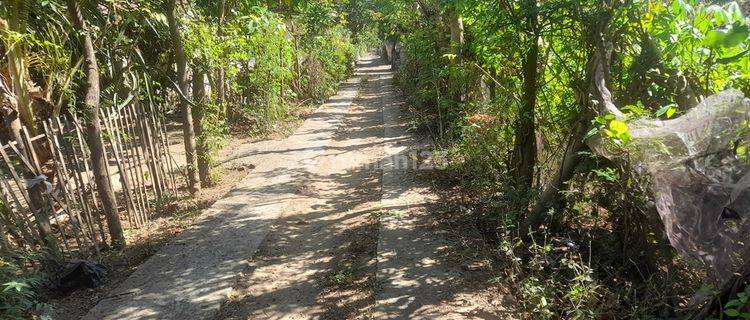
[(333, 223)]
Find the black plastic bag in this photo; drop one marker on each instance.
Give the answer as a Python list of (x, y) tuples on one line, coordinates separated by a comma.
[(79, 274)]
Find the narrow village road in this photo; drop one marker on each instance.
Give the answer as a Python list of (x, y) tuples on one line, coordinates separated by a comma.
[(332, 223)]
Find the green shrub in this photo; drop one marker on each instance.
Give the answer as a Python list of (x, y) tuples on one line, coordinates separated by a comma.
[(553, 278), (327, 61), (262, 65), (366, 41), (19, 294), (434, 81)]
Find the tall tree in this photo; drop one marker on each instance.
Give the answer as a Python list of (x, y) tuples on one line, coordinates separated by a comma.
[(93, 126), (185, 107), (9, 108), (591, 94), (221, 73), (456, 24), (203, 149), (524, 151), (17, 66)]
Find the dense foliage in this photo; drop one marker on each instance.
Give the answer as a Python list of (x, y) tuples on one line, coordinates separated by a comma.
[(228, 65), (506, 88), (508, 100), (19, 294)]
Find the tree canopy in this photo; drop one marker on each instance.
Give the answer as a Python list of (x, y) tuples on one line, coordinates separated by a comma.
[(513, 92)]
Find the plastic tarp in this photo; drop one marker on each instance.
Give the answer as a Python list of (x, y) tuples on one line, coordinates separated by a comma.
[(699, 168)]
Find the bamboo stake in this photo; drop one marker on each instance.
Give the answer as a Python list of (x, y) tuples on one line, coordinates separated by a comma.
[(149, 139), (137, 161), (145, 152), (156, 129), (16, 177), (165, 166), (5, 245), (39, 232), (34, 160), (79, 193), (62, 178), (39, 204), (148, 152), (144, 155), (111, 135), (168, 157), (91, 186), (127, 148), (21, 216)]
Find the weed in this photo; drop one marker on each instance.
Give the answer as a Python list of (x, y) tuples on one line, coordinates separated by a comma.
[(19, 297)]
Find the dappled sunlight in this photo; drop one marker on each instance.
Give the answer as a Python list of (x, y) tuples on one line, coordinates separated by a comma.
[(194, 274), (331, 223)]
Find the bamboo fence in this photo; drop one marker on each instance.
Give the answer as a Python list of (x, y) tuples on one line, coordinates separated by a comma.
[(62, 214)]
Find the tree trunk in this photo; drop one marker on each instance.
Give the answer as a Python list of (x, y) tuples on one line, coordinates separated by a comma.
[(492, 84), (550, 196), (593, 87), (9, 110), (456, 24), (93, 128), (220, 77), (203, 149), (19, 11), (187, 112), (524, 150), (390, 45), (297, 65)]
